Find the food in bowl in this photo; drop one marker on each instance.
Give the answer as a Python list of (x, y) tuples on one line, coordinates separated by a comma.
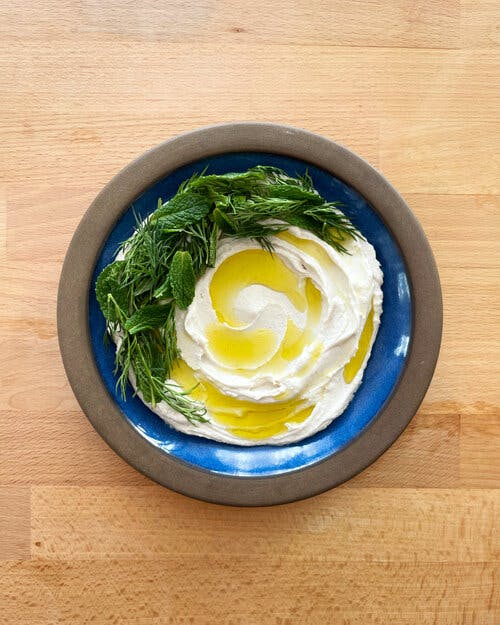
[(244, 309)]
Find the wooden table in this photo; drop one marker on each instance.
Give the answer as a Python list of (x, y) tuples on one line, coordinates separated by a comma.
[(412, 86)]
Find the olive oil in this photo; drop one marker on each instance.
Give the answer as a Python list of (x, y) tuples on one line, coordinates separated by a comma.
[(247, 419), (244, 269), (354, 365), (297, 340), (240, 348), (236, 348), (310, 248), (245, 350)]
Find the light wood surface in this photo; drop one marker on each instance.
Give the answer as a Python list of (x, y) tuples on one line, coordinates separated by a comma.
[(412, 86)]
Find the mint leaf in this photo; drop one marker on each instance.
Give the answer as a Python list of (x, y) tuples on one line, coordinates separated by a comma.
[(112, 296), (148, 317), (164, 291), (182, 279), (182, 210)]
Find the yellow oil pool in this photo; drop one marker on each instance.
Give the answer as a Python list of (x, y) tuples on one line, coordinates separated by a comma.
[(242, 349), (246, 419), (251, 267), (354, 365)]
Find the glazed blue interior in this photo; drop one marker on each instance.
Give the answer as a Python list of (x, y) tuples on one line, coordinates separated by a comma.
[(382, 372)]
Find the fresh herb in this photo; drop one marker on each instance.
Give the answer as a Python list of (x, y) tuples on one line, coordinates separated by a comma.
[(111, 294), (182, 279), (161, 262), (148, 317), (183, 210)]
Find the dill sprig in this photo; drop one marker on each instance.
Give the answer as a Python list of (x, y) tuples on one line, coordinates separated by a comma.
[(147, 356), (167, 253)]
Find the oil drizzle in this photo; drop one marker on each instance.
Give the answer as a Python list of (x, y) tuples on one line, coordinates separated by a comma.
[(246, 268), (246, 419), (235, 348), (354, 365)]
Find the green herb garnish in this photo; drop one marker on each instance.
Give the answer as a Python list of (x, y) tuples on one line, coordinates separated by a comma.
[(182, 279), (161, 262)]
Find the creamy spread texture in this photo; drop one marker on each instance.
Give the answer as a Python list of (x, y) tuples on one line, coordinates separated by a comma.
[(275, 345)]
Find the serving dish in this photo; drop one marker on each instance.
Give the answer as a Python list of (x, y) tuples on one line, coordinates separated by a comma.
[(397, 375)]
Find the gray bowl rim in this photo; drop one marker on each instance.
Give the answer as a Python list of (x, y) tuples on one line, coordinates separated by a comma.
[(103, 412)]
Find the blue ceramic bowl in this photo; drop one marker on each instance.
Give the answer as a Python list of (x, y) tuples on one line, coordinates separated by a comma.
[(382, 372), (396, 377)]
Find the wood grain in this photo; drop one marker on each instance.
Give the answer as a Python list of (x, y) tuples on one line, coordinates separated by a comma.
[(381, 525), (480, 448), (412, 87), (181, 590), (15, 522), (430, 24)]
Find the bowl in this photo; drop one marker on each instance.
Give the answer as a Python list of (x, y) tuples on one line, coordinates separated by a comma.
[(398, 372)]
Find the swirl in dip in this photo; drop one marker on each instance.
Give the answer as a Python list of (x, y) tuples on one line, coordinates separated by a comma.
[(275, 345)]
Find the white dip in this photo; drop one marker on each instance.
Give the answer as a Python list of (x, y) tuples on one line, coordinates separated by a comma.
[(279, 343)]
